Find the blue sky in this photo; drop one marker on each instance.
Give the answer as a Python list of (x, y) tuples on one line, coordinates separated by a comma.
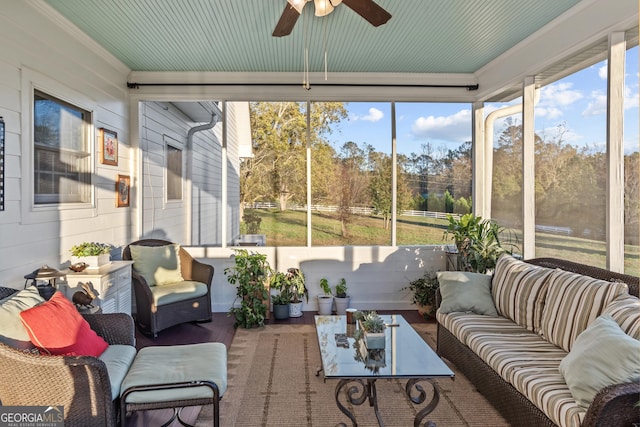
[(578, 101)]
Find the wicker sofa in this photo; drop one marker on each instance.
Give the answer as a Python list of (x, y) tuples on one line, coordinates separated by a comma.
[(88, 387), (486, 351)]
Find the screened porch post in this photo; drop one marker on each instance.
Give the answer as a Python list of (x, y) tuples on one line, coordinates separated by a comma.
[(615, 152), (528, 169), (480, 168)]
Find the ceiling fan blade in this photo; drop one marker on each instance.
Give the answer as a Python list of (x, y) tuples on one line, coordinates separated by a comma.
[(286, 22), (369, 10)]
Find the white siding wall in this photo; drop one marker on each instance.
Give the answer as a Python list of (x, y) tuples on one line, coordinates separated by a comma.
[(375, 275), (36, 52), (238, 131)]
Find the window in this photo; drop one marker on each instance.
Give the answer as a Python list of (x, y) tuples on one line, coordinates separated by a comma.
[(61, 151), (174, 173)]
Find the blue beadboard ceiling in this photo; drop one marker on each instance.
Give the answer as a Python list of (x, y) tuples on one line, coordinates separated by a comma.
[(423, 36)]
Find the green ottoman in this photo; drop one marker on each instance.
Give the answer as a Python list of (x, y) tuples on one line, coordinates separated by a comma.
[(174, 377)]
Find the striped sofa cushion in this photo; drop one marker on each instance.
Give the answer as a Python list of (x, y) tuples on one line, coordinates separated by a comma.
[(519, 291), (573, 302), (531, 365), (625, 310), (462, 325)]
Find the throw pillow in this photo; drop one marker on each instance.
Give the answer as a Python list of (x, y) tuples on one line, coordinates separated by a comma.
[(601, 356), (56, 328), (573, 302), (159, 265), (12, 331), (466, 292), (519, 290), (625, 310)]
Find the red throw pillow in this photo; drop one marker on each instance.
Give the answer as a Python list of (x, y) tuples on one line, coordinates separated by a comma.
[(56, 328)]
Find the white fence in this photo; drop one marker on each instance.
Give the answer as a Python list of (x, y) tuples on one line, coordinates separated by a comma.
[(357, 210)]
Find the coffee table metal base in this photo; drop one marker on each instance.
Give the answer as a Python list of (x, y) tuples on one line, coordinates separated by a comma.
[(362, 390)]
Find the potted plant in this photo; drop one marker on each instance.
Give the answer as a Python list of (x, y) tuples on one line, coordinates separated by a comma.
[(325, 300), (251, 275), (341, 298), (92, 254), (297, 290), (424, 290), (371, 329), (478, 242), (282, 299)]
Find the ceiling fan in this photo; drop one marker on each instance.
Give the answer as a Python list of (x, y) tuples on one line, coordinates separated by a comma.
[(368, 9)]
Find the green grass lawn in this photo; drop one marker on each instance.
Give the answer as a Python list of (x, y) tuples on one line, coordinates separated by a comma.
[(288, 228)]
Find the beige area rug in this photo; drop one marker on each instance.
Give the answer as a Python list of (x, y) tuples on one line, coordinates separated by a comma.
[(272, 382)]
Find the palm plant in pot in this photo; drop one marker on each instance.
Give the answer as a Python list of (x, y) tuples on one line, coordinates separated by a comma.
[(424, 290), (251, 275), (341, 297), (325, 300), (478, 242)]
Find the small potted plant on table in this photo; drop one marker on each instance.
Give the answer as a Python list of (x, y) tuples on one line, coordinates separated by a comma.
[(371, 329)]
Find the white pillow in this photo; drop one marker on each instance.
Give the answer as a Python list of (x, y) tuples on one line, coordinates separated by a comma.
[(601, 356)]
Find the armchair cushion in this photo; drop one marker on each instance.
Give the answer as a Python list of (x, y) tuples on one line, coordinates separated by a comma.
[(56, 328), (118, 358), (159, 265), (12, 331), (179, 291)]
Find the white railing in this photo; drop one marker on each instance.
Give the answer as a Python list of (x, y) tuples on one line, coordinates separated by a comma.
[(357, 210)]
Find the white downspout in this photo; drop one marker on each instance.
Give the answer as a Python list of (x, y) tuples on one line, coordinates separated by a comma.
[(189, 171)]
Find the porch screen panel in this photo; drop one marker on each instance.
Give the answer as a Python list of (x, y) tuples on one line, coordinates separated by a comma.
[(631, 166), (434, 169), (570, 168)]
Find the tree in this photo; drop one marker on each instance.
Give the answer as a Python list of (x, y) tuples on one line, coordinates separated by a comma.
[(381, 184), (277, 170), (352, 182)]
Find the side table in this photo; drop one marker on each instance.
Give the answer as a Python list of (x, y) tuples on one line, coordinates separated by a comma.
[(111, 283)]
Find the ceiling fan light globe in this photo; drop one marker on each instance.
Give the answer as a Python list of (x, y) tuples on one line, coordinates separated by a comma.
[(297, 4), (323, 7)]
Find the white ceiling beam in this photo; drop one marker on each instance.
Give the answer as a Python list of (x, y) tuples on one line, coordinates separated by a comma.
[(580, 27)]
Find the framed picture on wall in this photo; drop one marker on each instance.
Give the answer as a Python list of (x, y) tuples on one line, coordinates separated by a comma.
[(109, 143), (123, 191)]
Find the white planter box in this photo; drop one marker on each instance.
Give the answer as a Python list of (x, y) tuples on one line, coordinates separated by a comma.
[(93, 262)]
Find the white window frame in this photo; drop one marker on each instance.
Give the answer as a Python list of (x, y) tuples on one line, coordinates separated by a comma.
[(172, 143), (36, 213)]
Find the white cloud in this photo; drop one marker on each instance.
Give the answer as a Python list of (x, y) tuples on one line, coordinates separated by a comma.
[(456, 127), (559, 95), (548, 113), (597, 105), (630, 98), (602, 71), (373, 116)]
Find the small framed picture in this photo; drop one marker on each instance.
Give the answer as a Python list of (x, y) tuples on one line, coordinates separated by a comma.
[(123, 191), (109, 142)]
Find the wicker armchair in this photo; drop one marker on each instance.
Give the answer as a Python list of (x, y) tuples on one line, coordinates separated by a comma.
[(152, 318), (79, 383)]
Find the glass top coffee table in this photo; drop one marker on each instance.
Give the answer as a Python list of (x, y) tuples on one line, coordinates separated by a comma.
[(405, 356)]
